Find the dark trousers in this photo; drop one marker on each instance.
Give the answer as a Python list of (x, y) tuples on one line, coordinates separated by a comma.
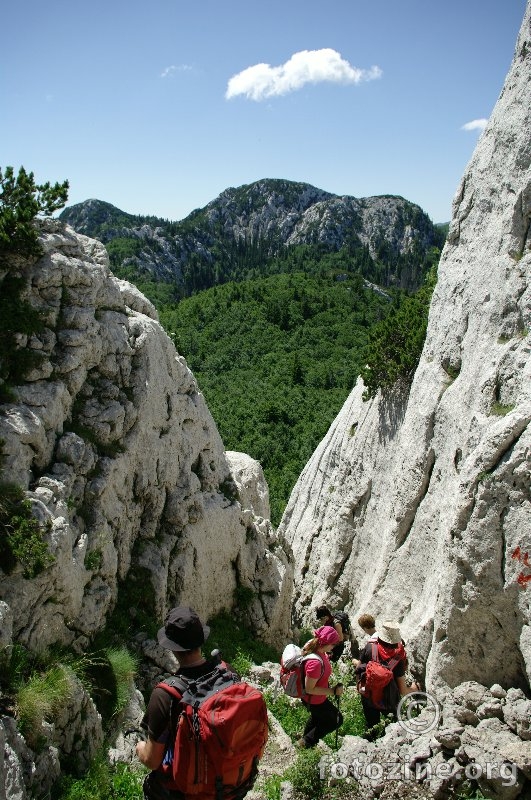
[(372, 717), (324, 718), (337, 651)]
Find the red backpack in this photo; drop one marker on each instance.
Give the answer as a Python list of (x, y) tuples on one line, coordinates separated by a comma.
[(220, 734), (376, 681)]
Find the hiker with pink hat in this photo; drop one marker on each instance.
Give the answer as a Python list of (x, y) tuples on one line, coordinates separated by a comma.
[(324, 716)]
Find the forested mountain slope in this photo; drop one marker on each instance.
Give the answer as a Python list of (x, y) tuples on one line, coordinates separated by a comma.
[(285, 281), (275, 358), (243, 231)]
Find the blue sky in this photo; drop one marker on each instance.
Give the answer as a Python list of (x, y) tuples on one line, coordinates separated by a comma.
[(157, 107)]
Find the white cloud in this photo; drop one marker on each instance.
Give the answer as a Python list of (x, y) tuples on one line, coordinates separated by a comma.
[(475, 125), (171, 69), (307, 66)]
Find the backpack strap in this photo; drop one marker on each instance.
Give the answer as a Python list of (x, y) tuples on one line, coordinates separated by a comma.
[(176, 685), (308, 657), (317, 657), (391, 664)]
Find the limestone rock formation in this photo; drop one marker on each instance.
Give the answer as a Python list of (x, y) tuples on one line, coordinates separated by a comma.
[(419, 508), (439, 754), (253, 491), (120, 456)]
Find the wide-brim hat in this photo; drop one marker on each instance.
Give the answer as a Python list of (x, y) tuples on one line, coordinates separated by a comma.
[(389, 632), (183, 630)]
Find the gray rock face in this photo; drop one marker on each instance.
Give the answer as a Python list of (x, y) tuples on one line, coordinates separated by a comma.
[(121, 458), (419, 509), (438, 756), (253, 491)]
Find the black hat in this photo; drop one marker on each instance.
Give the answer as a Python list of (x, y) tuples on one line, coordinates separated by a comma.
[(183, 630)]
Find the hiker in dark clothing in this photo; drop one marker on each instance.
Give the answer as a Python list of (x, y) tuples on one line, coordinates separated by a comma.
[(389, 648), (183, 633), (325, 617)]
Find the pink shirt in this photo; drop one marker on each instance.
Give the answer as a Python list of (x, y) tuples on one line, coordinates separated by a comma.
[(312, 669)]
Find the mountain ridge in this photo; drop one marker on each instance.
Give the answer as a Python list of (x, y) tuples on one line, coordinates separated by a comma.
[(386, 237)]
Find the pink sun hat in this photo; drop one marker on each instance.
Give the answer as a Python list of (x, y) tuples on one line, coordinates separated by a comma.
[(326, 635)]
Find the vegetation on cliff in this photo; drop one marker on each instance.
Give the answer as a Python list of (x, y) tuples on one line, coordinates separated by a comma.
[(396, 342), (21, 201)]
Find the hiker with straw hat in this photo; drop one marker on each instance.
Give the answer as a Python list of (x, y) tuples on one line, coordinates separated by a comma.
[(386, 649)]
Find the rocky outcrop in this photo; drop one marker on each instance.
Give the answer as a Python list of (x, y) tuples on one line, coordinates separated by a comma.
[(253, 491), (30, 766), (439, 747), (418, 508), (467, 739), (120, 457)]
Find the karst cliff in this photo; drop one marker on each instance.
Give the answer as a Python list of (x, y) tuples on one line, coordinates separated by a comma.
[(120, 457), (417, 506), (140, 506)]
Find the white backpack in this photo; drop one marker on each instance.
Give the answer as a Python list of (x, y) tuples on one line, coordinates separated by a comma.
[(292, 670)]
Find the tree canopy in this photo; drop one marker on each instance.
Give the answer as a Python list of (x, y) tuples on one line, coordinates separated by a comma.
[(21, 201), (396, 342), (276, 358)]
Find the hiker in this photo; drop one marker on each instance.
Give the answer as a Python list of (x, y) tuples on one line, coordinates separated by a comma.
[(388, 645), (324, 717), (183, 633), (368, 625), (326, 617)]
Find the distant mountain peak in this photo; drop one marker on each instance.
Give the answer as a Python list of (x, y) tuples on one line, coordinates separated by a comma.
[(260, 220)]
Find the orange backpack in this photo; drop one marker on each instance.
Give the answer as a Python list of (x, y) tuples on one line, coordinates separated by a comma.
[(220, 735), (376, 682)]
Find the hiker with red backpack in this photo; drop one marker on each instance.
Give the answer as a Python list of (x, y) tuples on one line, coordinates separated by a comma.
[(206, 729), (324, 717), (381, 675)]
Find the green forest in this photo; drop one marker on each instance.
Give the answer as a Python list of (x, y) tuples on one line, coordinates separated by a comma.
[(276, 358)]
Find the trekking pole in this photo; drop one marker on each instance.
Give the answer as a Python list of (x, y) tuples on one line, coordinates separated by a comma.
[(337, 720), (337, 729)]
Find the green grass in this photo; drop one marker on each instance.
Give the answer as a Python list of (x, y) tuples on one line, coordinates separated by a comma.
[(40, 699), (305, 777), (236, 642), (500, 409), (103, 782), (469, 790), (242, 663), (290, 712), (22, 537), (124, 666)]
